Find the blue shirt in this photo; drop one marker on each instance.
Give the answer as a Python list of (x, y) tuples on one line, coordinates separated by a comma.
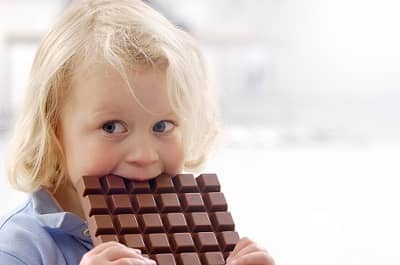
[(40, 233)]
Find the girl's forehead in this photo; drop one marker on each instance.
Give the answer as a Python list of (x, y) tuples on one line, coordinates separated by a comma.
[(103, 86), (105, 72), (92, 72)]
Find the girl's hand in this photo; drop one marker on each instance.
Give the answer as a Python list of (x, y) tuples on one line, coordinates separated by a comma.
[(248, 252), (116, 254)]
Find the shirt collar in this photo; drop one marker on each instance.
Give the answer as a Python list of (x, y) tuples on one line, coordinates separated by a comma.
[(52, 216)]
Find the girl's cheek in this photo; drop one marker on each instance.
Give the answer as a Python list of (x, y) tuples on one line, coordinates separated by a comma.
[(97, 160), (101, 153), (100, 164), (175, 157)]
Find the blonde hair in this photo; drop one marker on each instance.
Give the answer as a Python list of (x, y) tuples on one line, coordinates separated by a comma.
[(121, 33)]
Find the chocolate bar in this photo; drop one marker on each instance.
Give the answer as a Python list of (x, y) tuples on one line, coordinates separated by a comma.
[(178, 220)]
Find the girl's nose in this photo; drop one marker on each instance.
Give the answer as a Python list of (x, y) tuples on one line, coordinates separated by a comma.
[(142, 152)]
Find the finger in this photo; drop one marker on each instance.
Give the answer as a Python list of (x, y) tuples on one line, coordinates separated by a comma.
[(99, 248), (119, 251), (242, 243), (246, 250), (107, 245), (137, 250), (133, 261), (253, 258)]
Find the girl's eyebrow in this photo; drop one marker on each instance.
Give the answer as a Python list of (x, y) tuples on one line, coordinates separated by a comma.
[(105, 111), (170, 114), (167, 116), (106, 107), (99, 112)]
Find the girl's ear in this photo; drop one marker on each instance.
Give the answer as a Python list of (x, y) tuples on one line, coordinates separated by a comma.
[(58, 131), (58, 141)]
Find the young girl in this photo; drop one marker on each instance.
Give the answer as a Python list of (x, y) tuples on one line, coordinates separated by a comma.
[(114, 89)]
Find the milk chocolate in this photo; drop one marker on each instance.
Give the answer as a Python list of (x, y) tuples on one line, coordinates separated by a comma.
[(178, 220)]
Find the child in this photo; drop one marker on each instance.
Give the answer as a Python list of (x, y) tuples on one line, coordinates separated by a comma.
[(114, 89)]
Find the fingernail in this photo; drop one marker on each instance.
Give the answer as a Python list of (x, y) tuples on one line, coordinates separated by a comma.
[(151, 262), (137, 250)]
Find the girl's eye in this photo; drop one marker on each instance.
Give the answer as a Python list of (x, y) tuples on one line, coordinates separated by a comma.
[(163, 126), (113, 127)]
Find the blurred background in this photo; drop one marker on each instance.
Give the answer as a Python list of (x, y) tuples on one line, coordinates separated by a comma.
[(309, 96)]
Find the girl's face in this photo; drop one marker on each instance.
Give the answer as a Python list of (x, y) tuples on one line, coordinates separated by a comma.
[(104, 130)]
